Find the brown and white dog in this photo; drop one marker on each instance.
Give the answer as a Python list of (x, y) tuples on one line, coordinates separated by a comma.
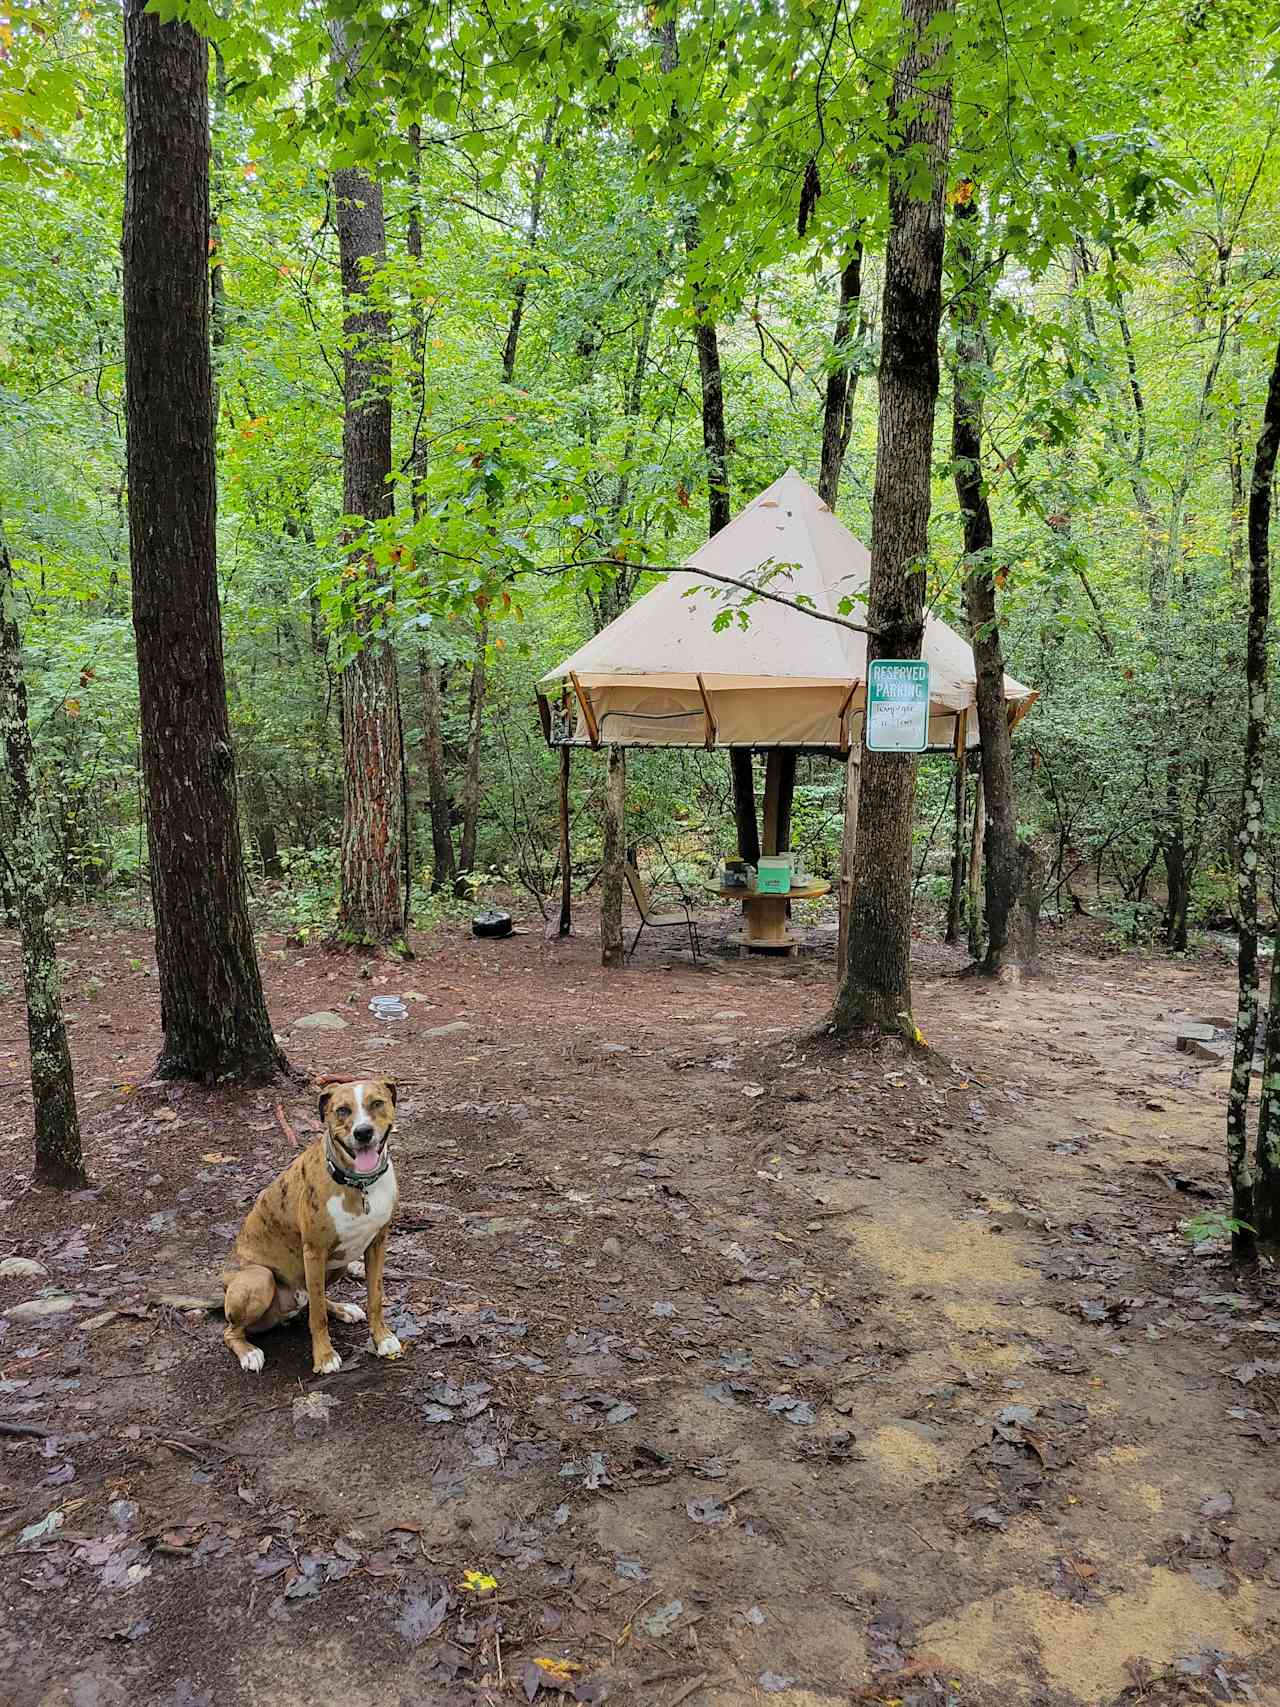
[(328, 1208)]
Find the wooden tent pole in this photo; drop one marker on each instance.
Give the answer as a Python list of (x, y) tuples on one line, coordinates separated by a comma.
[(848, 840), (975, 868), (566, 866), (615, 853), (955, 903)]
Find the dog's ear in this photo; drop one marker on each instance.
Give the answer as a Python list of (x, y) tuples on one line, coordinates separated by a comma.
[(391, 1086), (326, 1097)]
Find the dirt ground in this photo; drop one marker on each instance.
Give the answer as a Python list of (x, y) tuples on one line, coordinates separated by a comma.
[(736, 1369)]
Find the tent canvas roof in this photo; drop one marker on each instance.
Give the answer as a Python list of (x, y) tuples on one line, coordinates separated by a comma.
[(665, 641)]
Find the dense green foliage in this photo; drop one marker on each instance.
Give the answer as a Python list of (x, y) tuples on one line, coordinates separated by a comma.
[(1124, 161)]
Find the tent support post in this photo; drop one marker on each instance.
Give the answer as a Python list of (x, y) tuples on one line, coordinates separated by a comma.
[(848, 840), (744, 804), (955, 903), (612, 952), (566, 866), (975, 868), (588, 714)]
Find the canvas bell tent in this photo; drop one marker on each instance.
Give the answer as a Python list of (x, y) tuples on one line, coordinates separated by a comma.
[(697, 662), (664, 675)]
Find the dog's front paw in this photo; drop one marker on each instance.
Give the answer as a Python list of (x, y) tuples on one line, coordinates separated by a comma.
[(347, 1312), (327, 1365), (388, 1346), (253, 1359)]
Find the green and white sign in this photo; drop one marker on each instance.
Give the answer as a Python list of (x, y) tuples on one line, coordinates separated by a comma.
[(898, 705)]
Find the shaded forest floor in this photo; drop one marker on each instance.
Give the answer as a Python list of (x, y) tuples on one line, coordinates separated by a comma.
[(749, 1371)]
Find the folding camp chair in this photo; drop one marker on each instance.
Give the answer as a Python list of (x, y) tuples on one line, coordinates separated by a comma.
[(683, 920)]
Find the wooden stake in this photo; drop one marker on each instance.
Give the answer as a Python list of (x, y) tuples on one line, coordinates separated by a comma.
[(848, 839), (566, 865), (615, 853), (975, 869), (955, 904)]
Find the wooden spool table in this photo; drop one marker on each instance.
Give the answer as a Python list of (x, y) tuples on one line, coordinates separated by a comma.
[(764, 917)]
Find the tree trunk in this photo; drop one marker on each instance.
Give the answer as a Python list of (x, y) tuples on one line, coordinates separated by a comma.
[(59, 1161), (742, 774), (535, 221), (373, 904), (212, 1011), (1177, 878), (842, 381), (1256, 1197), (612, 952), (876, 989), (471, 776), (442, 860), (955, 902), (1009, 868)]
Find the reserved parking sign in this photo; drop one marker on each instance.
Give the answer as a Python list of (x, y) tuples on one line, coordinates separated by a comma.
[(898, 705)]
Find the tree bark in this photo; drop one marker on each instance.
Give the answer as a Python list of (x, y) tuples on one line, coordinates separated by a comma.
[(612, 951), (471, 775), (535, 220), (59, 1160), (442, 860), (373, 902), (842, 381), (742, 774), (1255, 1194), (1009, 868), (876, 989), (212, 1011)]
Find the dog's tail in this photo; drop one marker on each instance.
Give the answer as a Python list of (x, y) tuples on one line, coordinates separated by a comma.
[(181, 1301)]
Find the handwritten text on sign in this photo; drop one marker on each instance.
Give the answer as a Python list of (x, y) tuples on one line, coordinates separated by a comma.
[(898, 705)]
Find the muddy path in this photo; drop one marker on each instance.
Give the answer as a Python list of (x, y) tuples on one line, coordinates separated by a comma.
[(742, 1370)]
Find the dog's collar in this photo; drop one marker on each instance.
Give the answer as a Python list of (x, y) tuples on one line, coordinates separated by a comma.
[(361, 1182)]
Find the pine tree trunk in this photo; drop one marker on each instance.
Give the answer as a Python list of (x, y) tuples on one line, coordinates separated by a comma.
[(842, 382), (373, 902), (471, 776), (876, 989), (612, 951), (59, 1161), (442, 860), (1256, 1198), (1010, 868), (212, 1011)]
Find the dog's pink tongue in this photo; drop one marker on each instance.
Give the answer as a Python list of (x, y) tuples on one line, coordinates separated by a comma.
[(366, 1159)]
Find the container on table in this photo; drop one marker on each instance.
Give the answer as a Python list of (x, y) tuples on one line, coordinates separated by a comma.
[(773, 874)]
